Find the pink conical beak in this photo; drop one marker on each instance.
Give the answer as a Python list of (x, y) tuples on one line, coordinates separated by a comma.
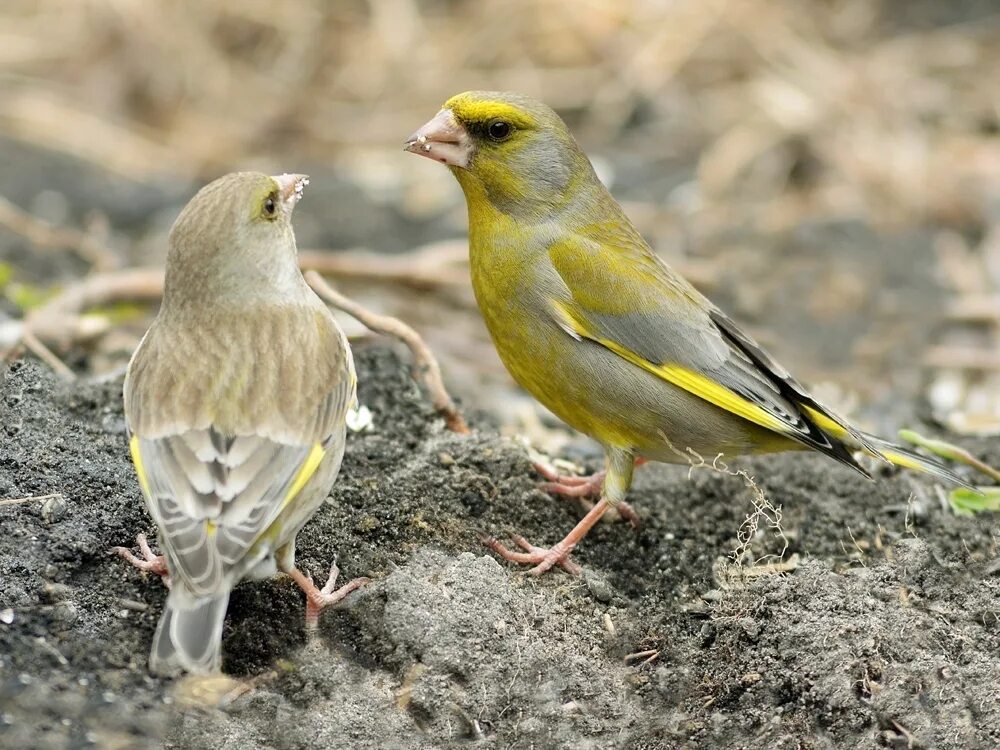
[(290, 187), (442, 139)]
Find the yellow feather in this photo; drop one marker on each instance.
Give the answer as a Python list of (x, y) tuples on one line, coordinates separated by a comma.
[(309, 467), (710, 391), (693, 382), (466, 107), (900, 459), (140, 471), (827, 424)]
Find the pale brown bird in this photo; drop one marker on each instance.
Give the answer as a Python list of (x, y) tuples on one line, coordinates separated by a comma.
[(235, 402)]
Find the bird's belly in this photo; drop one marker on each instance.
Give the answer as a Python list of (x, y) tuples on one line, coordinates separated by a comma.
[(617, 403)]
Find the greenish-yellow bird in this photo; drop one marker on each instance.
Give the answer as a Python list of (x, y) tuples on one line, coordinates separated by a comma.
[(589, 320), (235, 402)]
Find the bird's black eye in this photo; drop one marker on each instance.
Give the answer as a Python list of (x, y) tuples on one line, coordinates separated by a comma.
[(270, 206), (499, 130)]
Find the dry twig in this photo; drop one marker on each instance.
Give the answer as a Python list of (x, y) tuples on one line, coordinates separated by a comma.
[(424, 361), (44, 236), (29, 499), (60, 321), (45, 354), (434, 265), (962, 358)]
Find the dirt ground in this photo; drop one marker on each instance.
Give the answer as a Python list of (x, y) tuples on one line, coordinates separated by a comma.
[(885, 634)]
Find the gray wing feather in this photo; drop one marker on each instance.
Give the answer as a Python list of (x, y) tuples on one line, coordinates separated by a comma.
[(240, 500), (670, 322)]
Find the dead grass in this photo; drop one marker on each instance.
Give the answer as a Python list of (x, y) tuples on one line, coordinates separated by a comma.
[(148, 87)]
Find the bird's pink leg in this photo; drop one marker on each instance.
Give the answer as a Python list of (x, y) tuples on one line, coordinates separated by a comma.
[(569, 485), (150, 561), (318, 599)]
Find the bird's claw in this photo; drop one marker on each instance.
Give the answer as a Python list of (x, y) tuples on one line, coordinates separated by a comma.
[(319, 599), (543, 559), (150, 561)]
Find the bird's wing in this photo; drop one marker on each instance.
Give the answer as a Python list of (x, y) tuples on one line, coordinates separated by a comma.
[(621, 296), (212, 496), (213, 491)]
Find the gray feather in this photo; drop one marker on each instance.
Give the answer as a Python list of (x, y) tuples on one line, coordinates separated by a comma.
[(189, 635)]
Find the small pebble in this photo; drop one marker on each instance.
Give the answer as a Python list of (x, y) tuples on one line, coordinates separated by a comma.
[(53, 509), (599, 588), (66, 612), (360, 419)]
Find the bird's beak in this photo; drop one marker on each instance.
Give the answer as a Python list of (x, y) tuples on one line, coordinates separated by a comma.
[(290, 187), (443, 139)]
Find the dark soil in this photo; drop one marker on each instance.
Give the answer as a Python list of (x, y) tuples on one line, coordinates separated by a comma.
[(886, 634)]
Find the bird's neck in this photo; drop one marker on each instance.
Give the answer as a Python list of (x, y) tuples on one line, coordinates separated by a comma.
[(233, 280)]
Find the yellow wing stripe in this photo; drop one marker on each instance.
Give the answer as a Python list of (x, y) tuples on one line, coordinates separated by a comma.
[(900, 459), (853, 439), (309, 467), (705, 388), (721, 396), (304, 474), (693, 382), (140, 470), (827, 424)]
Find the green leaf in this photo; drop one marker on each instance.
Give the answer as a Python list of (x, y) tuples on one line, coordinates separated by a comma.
[(966, 502), (949, 451), (28, 296)]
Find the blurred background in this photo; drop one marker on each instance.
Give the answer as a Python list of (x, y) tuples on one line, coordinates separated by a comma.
[(827, 171)]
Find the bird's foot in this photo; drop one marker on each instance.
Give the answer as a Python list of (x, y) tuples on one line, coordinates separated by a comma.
[(568, 485), (545, 559), (150, 561), (318, 599), (627, 512), (541, 558)]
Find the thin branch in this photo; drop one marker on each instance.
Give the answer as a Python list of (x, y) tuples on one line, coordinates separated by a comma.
[(962, 358), (29, 499), (424, 361), (58, 319), (44, 236), (975, 308), (45, 354), (433, 265)]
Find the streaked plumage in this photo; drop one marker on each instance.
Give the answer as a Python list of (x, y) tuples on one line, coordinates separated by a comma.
[(597, 327), (235, 402)]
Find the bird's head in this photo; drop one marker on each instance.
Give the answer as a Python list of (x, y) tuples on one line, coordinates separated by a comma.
[(239, 211), (514, 151), (236, 233)]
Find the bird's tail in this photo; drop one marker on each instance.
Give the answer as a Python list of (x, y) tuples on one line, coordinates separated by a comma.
[(900, 456), (189, 636)]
